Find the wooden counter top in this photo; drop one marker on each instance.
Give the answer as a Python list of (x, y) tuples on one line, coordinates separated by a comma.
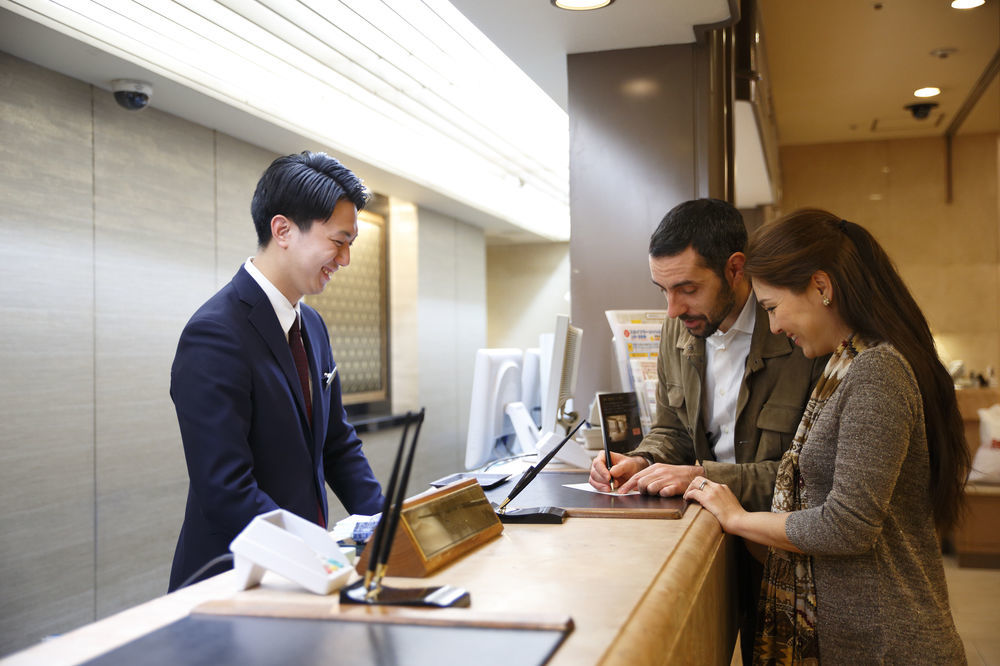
[(638, 591)]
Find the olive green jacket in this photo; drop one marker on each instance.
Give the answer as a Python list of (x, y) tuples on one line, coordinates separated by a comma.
[(776, 385)]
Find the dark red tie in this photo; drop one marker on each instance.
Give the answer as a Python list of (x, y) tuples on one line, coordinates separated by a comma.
[(301, 364)]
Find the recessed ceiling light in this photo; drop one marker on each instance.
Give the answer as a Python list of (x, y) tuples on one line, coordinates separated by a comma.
[(966, 4), (582, 5), (930, 91)]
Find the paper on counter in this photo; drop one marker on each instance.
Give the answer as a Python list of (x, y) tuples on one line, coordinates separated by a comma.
[(591, 489)]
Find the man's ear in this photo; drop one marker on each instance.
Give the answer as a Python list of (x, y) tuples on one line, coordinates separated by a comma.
[(734, 267), (281, 228)]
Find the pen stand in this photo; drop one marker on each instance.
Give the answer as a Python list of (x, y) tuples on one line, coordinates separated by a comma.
[(443, 596), (437, 528), (542, 515)]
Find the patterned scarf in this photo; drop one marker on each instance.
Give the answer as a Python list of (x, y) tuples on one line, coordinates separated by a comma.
[(786, 611)]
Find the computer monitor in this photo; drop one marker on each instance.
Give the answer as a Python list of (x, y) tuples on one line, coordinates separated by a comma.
[(496, 382), (531, 383), (564, 363), (560, 360)]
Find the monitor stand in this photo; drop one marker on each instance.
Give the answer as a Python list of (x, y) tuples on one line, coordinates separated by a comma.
[(532, 439)]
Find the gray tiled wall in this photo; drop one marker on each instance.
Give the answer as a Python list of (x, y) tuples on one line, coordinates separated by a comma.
[(47, 540)]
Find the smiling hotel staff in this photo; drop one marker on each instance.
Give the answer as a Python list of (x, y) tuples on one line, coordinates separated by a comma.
[(854, 571), (253, 381)]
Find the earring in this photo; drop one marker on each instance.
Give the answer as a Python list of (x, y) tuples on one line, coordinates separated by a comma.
[(826, 301)]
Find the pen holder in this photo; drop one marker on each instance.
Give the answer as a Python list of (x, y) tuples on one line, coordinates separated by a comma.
[(442, 596)]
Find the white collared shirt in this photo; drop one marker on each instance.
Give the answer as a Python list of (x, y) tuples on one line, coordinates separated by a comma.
[(283, 308), (725, 362), (285, 311)]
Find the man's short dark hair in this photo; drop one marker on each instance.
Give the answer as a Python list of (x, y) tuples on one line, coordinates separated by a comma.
[(303, 187), (712, 227)]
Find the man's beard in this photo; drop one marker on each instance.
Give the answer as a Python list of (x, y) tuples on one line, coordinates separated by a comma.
[(724, 304)]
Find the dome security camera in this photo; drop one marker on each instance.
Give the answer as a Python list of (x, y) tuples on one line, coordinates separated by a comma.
[(131, 94), (921, 110)]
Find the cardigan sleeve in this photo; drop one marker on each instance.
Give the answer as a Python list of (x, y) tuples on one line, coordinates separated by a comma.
[(880, 412)]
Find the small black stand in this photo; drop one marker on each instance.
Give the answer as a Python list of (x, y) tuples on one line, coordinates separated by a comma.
[(540, 515), (545, 515), (444, 596)]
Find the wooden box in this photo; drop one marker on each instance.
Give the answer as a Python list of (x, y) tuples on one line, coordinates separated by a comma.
[(977, 539)]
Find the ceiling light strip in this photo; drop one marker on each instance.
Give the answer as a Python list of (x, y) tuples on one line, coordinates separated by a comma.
[(464, 115), (289, 31), (191, 45)]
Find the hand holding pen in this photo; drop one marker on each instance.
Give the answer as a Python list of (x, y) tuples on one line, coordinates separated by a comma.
[(607, 461)]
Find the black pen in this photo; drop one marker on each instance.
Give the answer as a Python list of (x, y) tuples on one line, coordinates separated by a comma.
[(392, 520), (607, 460), (379, 536), (533, 471)]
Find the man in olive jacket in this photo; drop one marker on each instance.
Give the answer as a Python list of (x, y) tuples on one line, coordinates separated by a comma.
[(730, 393)]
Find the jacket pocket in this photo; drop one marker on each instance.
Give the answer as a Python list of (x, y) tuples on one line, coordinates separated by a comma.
[(675, 395), (777, 425), (779, 418)]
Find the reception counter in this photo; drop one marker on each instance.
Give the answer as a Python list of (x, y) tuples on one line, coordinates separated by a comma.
[(638, 591)]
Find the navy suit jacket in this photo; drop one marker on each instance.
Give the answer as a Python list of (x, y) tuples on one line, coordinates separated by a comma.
[(247, 440)]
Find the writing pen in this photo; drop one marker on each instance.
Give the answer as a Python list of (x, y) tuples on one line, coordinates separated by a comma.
[(533, 471), (379, 536), (395, 510), (607, 461)]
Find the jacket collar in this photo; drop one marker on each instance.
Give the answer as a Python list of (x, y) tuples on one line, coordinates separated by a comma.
[(763, 343)]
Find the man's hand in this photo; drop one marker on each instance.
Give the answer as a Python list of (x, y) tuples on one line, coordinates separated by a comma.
[(660, 479), (622, 469)]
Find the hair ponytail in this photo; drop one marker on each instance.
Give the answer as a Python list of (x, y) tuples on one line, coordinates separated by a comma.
[(875, 302)]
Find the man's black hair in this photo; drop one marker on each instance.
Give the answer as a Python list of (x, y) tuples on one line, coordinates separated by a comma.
[(303, 187), (712, 227)]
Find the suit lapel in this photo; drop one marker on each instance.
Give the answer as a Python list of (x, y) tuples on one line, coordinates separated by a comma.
[(265, 322)]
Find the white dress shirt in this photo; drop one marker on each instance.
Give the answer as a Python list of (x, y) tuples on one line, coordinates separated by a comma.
[(286, 312), (283, 308), (725, 362)]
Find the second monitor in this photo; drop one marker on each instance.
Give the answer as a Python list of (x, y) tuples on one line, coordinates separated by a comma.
[(501, 418)]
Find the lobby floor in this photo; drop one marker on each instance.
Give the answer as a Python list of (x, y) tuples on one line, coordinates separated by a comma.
[(975, 605)]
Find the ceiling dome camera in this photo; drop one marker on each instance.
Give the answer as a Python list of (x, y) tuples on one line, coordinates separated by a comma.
[(921, 110), (130, 94)]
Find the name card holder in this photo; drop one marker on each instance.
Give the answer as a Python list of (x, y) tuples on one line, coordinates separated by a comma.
[(437, 528)]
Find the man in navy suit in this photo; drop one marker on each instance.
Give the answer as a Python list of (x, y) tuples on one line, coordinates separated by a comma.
[(259, 434)]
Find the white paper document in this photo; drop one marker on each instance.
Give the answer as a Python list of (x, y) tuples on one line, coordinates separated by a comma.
[(591, 489)]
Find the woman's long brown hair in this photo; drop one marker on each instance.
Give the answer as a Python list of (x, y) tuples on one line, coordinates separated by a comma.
[(873, 300)]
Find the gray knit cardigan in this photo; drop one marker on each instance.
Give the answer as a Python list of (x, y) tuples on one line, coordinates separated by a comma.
[(880, 586)]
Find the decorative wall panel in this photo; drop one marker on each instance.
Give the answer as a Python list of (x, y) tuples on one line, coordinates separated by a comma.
[(354, 308)]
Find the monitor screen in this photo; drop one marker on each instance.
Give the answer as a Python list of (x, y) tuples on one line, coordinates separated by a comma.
[(496, 382), (521, 401)]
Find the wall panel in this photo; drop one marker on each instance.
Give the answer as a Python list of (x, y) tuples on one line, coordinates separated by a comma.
[(451, 326), (155, 264), (634, 154), (239, 166), (46, 354), (948, 253), (526, 288)]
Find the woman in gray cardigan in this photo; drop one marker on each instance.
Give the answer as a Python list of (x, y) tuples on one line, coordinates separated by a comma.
[(853, 572)]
